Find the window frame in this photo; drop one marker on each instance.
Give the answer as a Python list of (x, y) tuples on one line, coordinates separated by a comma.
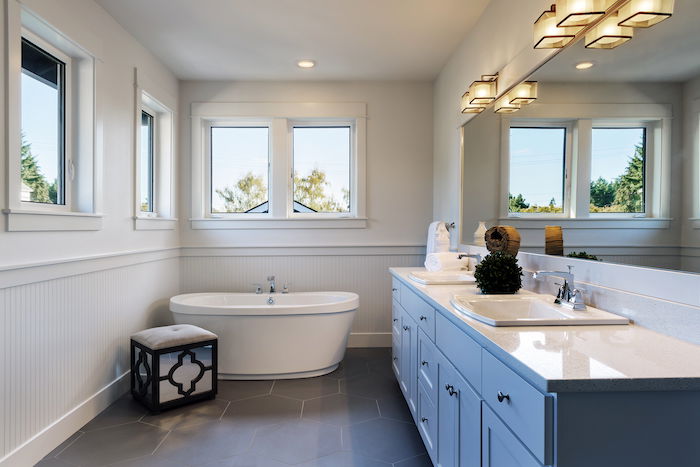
[(152, 162), (279, 116)]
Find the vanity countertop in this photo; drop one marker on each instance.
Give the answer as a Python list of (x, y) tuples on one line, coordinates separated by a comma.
[(575, 358)]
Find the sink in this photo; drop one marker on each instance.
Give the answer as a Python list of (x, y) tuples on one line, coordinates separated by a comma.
[(442, 277), (529, 310)]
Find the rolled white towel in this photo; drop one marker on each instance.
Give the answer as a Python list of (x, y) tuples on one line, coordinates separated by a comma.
[(432, 236), (445, 262)]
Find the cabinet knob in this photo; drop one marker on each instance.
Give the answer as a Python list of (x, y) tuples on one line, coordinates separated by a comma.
[(395, 319), (423, 318), (396, 358), (423, 419), (424, 363), (406, 328), (394, 289), (502, 397)]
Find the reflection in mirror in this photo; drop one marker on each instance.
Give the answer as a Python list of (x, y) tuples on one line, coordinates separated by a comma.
[(609, 151)]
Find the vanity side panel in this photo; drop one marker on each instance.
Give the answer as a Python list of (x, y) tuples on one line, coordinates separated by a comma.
[(640, 429)]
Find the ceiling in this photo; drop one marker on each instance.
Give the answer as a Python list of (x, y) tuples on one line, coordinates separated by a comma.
[(263, 39), (669, 51)]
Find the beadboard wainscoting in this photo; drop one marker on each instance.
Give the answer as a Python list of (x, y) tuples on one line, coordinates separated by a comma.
[(359, 269), (64, 329)]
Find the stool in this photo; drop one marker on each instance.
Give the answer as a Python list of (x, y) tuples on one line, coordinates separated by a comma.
[(173, 366)]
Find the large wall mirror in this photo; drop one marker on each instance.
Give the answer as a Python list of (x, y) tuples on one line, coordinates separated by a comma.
[(608, 151)]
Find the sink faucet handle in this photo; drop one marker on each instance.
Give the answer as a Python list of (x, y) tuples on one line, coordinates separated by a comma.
[(285, 288), (258, 288)]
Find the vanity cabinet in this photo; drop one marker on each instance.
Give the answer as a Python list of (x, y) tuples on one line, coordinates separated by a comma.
[(500, 447)]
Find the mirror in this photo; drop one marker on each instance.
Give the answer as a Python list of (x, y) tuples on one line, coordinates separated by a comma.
[(608, 152)]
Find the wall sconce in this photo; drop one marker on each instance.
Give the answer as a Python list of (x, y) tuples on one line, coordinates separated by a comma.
[(550, 36), (608, 34), (524, 93), (504, 105), (484, 92), (580, 12), (645, 13), (468, 108)]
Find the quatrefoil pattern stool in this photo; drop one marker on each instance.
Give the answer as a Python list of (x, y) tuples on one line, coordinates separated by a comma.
[(173, 366)]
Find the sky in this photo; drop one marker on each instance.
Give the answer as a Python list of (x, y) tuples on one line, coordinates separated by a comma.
[(537, 157), (237, 151)]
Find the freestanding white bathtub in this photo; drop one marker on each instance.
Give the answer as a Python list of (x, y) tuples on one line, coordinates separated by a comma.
[(298, 336)]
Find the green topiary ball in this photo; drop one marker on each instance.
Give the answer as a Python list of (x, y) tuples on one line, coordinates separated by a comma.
[(499, 273)]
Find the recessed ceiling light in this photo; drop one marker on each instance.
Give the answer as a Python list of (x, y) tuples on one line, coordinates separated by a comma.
[(306, 63), (584, 65)]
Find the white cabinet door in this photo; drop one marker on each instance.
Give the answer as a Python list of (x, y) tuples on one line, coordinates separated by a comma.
[(409, 361)]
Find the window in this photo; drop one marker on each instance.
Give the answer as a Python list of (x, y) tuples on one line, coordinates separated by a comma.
[(146, 160), (278, 165), (618, 170), (43, 130), (321, 168), (537, 170), (239, 169)]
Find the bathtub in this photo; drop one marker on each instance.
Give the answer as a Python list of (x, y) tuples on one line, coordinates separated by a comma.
[(298, 335)]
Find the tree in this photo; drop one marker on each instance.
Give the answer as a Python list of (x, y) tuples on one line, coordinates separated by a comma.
[(248, 192), (311, 192), (603, 193), (629, 193), (517, 203), (31, 175)]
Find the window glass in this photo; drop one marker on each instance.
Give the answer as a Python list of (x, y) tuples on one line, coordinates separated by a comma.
[(43, 130), (618, 160), (321, 162), (146, 162), (239, 169), (537, 168)]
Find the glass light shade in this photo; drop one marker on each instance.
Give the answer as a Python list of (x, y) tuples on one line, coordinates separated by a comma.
[(580, 12), (468, 108), (608, 34), (504, 105), (524, 93), (645, 13), (483, 92), (550, 36)]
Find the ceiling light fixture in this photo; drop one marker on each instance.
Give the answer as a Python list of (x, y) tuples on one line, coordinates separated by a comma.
[(524, 93), (504, 105), (550, 36), (306, 63), (645, 13), (484, 91), (584, 65), (469, 108), (608, 34), (580, 12)]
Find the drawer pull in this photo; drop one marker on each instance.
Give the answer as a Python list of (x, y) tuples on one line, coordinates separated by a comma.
[(406, 328), (502, 397), (423, 419), (396, 359), (423, 318), (450, 389), (394, 289), (424, 363)]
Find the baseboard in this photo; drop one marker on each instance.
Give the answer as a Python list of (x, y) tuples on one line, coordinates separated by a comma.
[(34, 449), (369, 339)]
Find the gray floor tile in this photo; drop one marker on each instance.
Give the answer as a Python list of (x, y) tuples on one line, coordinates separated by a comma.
[(340, 409), (193, 414), (53, 462), (297, 441), (383, 439), (124, 410), (419, 461), (61, 447), (196, 445), (247, 460), (395, 408), (306, 388), (235, 390), (261, 411), (344, 459), (113, 444), (149, 461), (349, 369), (373, 386)]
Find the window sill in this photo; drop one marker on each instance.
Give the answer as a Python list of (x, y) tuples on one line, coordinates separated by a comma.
[(272, 223), (155, 223), (589, 223), (695, 222), (40, 221)]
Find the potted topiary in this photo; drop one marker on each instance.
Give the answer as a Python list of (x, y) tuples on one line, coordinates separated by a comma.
[(498, 273)]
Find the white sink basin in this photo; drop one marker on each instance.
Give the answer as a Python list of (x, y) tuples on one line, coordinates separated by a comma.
[(442, 277), (529, 310)]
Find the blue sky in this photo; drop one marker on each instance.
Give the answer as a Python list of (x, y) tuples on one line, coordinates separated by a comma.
[(40, 124)]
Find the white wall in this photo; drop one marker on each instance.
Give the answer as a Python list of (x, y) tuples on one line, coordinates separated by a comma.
[(691, 179)]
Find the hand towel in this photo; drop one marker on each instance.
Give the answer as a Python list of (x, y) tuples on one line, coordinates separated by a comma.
[(445, 262), (438, 238)]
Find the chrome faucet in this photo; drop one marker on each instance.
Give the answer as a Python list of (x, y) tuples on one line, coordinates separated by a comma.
[(567, 295), (476, 256), (271, 281)]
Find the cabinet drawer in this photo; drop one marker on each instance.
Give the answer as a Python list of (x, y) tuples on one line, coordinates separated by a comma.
[(427, 422), (420, 311), (526, 411), (396, 289), (460, 349), (427, 365), (395, 356)]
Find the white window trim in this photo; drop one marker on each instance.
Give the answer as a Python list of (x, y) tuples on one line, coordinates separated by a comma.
[(279, 116), (83, 195), (163, 215), (655, 117)]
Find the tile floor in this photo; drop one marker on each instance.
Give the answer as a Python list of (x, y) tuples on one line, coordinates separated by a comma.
[(353, 417)]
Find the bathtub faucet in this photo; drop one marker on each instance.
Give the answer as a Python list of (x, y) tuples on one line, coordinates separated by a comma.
[(271, 281)]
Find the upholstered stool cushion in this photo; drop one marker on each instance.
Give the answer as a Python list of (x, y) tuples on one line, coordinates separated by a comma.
[(172, 336)]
